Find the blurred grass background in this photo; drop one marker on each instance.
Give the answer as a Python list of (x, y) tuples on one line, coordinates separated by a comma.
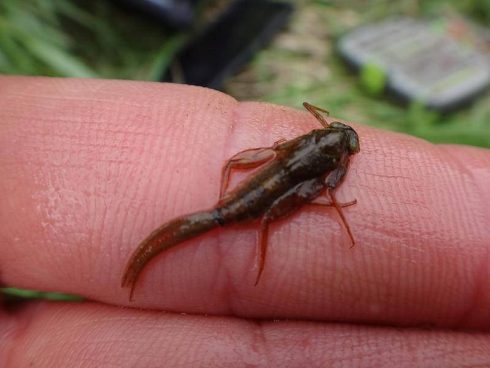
[(71, 38), (97, 39)]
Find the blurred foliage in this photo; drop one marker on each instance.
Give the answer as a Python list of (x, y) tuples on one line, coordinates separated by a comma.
[(81, 39), (84, 38), (373, 79), (479, 10), (33, 42), (15, 293), (302, 65)]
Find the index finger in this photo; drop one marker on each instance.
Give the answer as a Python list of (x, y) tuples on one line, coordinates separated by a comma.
[(91, 167)]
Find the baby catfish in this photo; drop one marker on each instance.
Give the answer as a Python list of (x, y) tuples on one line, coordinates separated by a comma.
[(292, 174)]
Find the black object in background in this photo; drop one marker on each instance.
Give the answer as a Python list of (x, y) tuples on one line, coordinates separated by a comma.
[(229, 42), (172, 13)]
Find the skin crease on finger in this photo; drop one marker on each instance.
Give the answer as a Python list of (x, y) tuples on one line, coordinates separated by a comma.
[(91, 167), (95, 335)]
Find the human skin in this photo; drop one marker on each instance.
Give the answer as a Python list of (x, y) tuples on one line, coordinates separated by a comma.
[(89, 167)]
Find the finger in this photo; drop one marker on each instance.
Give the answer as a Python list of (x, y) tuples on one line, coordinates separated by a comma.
[(90, 335), (91, 167)]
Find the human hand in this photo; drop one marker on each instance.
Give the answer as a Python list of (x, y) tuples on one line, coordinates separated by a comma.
[(89, 167)]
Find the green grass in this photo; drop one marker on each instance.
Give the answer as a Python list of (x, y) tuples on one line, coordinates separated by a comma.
[(15, 293), (303, 65), (81, 39), (97, 39)]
